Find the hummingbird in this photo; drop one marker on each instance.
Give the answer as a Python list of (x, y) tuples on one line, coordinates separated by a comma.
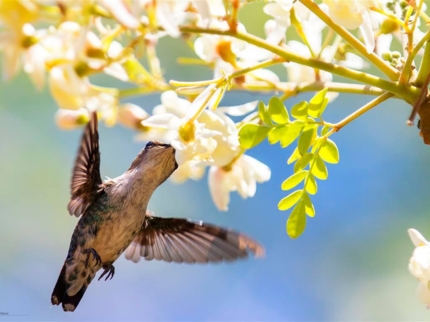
[(114, 219)]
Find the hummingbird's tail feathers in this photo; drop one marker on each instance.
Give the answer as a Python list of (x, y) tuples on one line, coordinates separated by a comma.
[(180, 240), (71, 287), (60, 287)]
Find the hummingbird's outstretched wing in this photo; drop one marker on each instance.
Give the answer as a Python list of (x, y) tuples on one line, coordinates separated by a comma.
[(86, 174), (180, 240)]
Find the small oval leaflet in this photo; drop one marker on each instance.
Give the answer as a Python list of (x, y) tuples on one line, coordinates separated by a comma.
[(303, 161), (309, 207), (296, 223), (293, 131), (290, 200), (319, 168), (263, 113), (294, 180), (276, 133), (329, 152), (251, 135), (300, 110), (311, 184), (277, 111), (294, 156), (305, 140)]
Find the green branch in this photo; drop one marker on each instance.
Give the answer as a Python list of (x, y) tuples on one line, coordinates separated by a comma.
[(338, 126), (391, 72), (409, 94), (425, 62)]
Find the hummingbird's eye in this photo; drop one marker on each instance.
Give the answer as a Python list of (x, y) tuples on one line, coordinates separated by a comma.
[(150, 144)]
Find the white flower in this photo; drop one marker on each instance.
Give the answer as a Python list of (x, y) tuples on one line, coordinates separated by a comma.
[(419, 265), (192, 169), (131, 115), (24, 47), (192, 141), (242, 177), (354, 14), (221, 50), (280, 11), (275, 34), (72, 92)]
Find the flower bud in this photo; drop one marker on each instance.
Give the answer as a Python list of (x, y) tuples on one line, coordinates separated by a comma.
[(71, 119), (131, 115)]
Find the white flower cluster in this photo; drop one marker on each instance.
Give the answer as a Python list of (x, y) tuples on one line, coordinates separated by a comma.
[(68, 41)]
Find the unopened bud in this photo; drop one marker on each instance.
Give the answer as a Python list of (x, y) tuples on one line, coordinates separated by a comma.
[(396, 54), (386, 56), (131, 115), (71, 119)]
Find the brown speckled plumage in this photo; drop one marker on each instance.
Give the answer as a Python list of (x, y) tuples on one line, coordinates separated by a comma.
[(114, 219)]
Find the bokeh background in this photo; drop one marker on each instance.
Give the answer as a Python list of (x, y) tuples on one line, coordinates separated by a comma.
[(350, 264)]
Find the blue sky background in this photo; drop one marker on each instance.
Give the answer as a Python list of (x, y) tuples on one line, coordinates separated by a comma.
[(350, 264)]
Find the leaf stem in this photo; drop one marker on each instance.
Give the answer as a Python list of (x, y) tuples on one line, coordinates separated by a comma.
[(338, 126)]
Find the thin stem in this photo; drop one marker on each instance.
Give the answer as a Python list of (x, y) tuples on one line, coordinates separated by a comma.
[(263, 64), (339, 88), (409, 94), (425, 62), (389, 15), (391, 72), (299, 28), (404, 77), (338, 126), (420, 100)]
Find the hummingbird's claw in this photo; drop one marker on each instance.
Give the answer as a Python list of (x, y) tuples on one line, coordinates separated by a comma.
[(96, 256), (108, 269)]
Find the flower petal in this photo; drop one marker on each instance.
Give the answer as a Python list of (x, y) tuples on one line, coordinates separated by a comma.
[(218, 189), (417, 238)]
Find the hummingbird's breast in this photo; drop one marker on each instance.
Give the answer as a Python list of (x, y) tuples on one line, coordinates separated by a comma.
[(116, 234)]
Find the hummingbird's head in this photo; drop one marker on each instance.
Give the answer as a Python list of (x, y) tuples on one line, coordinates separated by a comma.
[(157, 160)]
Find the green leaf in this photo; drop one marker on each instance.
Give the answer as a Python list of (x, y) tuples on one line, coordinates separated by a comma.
[(276, 133), (309, 207), (305, 140), (311, 184), (251, 135), (300, 110), (290, 200), (325, 130), (329, 152), (296, 223), (303, 162), (294, 130), (294, 180), (318, 103), (319, 168), (316, 144), (277, 111), (294, 156), (263, 113)]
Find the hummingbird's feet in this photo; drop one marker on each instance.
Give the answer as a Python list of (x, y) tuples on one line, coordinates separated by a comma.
[(96, 256), (108, 269)]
